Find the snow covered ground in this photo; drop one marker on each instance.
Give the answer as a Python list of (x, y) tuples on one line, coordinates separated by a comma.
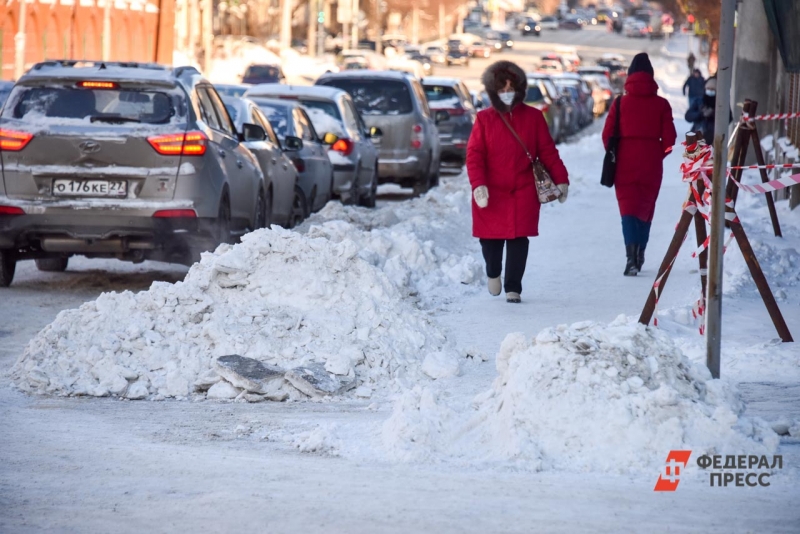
[(553, 415)]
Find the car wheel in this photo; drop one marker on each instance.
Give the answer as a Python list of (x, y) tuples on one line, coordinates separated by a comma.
[(8, 264), (299, 208), (353, 198), (223, 222), (420, 188), (370, 200), (52, 265)]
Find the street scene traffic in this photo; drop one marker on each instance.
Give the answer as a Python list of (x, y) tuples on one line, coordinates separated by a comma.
[(450, 268)]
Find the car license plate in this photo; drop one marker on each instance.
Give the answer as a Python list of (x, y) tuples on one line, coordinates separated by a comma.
[(91, 188)]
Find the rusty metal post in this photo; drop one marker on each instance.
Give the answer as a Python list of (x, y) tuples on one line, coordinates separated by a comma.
[(700, 226)]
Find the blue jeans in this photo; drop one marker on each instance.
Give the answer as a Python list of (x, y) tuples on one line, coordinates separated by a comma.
[(635, 231)]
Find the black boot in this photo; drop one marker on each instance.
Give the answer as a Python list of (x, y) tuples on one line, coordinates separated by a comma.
[(631, 267), (640, 258)]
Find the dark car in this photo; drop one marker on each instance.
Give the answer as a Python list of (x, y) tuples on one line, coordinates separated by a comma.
[(531, 27), (452, 96), (494, 40), (581, 94), (506, 40), (457, 54), (571, 23), (122, 160), (256, 74), (544, 95)]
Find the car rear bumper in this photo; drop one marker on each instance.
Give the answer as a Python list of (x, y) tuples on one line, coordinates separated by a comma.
[(408, 167), (343, 177)]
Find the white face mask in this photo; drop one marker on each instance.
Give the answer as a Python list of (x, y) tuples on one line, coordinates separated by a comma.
[(711, 92), (507, 98)]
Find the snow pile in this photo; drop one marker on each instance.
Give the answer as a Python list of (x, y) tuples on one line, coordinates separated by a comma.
[(298, 304), (424, 246), (587, 397)]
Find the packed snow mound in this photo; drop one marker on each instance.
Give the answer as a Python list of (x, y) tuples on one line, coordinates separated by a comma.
[(424, 246), (587, 397), (304, 305)]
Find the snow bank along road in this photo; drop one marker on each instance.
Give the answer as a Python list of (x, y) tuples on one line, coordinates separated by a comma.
[(470, 415)]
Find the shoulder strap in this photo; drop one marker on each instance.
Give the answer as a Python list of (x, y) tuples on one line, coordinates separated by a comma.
[(617, 132), (514, 133)]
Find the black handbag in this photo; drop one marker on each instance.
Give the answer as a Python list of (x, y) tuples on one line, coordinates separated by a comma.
[(610, 161)]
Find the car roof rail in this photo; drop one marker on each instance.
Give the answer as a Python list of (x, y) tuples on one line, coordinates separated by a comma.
[(180, 71), (72, 63)]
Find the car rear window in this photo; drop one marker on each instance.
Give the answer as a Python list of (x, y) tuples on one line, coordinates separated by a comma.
[(324, 116), (376, 97), (232, 111), (442, 97), (262, 71), (534, 94), (278, 117), (111, 106)]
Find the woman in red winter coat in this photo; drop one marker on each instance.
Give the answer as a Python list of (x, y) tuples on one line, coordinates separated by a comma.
[(647, 134), (505, 208)]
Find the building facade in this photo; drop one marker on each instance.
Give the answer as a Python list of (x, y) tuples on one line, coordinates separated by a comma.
[(139, 30)]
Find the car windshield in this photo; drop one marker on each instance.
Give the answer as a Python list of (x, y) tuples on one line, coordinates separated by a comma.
[(270, 72), (278, 117), (534, 93), (112, 106), (442, 97), (376, 97)]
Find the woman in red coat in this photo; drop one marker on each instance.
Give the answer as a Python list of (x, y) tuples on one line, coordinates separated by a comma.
[(647, 134), (505, 210)]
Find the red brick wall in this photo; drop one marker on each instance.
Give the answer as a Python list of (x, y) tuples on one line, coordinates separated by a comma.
[(48, 35)]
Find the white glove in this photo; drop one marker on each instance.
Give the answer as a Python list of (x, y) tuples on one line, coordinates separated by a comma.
[(564, 192), (481, 196)]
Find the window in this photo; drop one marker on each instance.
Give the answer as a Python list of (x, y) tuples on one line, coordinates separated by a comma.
[(278, 117), (304, 129), (534, 94), (325, 117), (225, 123), (207, 109), (263, 122), (442, 97), (376, 97), (423, 102), (351, 117)]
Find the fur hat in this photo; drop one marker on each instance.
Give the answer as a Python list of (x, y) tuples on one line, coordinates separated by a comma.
[(495, 77)]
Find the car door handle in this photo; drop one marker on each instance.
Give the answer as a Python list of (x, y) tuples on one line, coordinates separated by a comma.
[(222, 154), (239, 163), (274, 161), (285, 167)]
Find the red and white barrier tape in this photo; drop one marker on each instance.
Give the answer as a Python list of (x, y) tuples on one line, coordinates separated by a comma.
[(769, 187), (770, 117), (768, 167)]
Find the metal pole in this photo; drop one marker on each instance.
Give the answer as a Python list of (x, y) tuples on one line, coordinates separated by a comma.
[(107, 31), (286, 24), (354, 24), (19, 42), (312, 9), (722, 115)]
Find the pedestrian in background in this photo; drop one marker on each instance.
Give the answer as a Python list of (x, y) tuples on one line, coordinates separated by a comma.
[(696, 86), (505, 208), (647, 135), (690, 61), (701, 112)]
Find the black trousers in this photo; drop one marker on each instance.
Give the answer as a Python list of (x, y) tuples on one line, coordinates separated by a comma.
[(516, 258)]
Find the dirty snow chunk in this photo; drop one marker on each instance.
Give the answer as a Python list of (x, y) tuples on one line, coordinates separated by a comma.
[(282, 298), (222, 391), (601, 398), (137, 391), (249, 374), (320, 440), (440, 365), (315, 381)]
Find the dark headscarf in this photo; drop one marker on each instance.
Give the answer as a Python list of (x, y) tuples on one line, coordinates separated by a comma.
[(641, 63)]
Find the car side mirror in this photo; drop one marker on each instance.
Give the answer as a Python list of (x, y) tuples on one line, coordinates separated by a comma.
[(441, 116), (375, 133), (253, 132), (292, 144), (329, 139)]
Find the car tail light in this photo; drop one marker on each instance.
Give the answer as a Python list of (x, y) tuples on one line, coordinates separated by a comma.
[(299, 164), (607, 93), (14, 141), (182, 144), (11, 210), (345, 146), (175, 214), (417, 136), (98, 85), (456, 112)]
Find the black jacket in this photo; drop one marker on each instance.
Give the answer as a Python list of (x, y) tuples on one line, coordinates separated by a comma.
[(701, 115), (696, 86)]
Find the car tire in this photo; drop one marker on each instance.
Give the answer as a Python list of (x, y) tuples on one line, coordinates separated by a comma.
[(222, 226), (8, 264), (370, 199), (52, 265), (420, 188), (263, 215), (299, 208)]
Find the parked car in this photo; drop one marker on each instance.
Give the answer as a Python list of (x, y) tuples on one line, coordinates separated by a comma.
[(494, 40), (619, 73), (604, 85), (457, 54), (121, 160), (549, 23), (480, 48), (5, 90), (236, 91), (395, 103), (636, 29), (531, 27), (285, 204), (314, 168), (571, 23), (427, 63), (452, 96), (544, 96), (581, 93), (550, 66), (505, 38), (352, 152), (602, 71), (437, 53), (563, 63), (256, 74), (480, 100), (355, 63)]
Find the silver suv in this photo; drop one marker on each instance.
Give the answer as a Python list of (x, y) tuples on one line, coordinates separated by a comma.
[(125, 160)]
